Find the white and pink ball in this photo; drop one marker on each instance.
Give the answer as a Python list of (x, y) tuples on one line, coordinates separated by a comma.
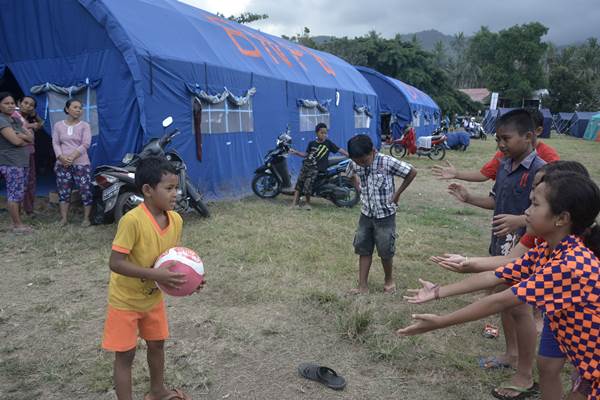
[(185, 261)]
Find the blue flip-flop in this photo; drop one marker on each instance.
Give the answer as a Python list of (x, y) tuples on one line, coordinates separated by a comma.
[(492, 363)]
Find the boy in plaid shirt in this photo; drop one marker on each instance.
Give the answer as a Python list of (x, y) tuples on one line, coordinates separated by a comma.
[(373, 175)]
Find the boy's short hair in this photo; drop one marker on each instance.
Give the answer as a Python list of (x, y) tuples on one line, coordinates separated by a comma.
[(537, 117), (360, 146), (150, 171), (319, 126), (564, 166), (519, 119)]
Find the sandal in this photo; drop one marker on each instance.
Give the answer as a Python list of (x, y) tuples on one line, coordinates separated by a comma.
[(523, 391), (176, 394), (324, 375), (492, 363)]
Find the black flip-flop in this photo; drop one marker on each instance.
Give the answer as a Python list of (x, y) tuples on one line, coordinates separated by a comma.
[(324, 375)]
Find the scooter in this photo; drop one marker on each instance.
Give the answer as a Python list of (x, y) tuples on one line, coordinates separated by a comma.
[(400, 148), (273, 177), (115, 192), (477, 132)]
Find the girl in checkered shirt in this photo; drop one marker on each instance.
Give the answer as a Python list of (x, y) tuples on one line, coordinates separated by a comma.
[(560, 276)]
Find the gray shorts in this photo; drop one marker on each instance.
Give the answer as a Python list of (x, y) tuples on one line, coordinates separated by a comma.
[(373, 232)]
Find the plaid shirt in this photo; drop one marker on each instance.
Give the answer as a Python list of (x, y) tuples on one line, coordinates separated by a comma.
[(377, 184), (565, 284)]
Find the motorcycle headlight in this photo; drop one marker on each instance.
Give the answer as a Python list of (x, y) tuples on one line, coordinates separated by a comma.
[(128, 158)]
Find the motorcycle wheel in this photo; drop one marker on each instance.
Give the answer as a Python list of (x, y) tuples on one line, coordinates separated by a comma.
[(200, 207), (123, 205), (483, 136), (397, 150), (266, 186), (437, 153), (352, 198)]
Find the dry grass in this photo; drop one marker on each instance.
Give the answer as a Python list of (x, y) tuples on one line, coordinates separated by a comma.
[(276, 297)]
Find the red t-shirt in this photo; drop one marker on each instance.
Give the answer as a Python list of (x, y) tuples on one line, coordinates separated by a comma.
[(530, 241), (546, 153)]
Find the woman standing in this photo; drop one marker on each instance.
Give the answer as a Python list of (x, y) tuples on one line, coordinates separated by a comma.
[(33, 123), (71, 139), (14, 159)]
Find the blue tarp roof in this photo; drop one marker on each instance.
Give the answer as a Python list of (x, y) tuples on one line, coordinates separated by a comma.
[(149, 57), (403, 100)]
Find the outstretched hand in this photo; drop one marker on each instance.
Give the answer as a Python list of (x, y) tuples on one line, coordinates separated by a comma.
[(423, 323), (459, 191), (423, 295), (444, 172), (451, 262)]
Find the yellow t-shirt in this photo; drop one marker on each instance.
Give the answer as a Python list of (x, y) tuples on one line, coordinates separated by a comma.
[(140, 237)]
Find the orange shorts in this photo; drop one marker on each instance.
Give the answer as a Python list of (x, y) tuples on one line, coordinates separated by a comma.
[(122, 326)]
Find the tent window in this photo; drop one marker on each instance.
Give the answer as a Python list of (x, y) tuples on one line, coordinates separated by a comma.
[(225, 117), (416, 120), (87, 97), (361, 120), (310, 117)]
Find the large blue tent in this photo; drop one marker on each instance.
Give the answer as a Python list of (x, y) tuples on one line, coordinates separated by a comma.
[(548, 120), (405, 103), (563, 122), (579, 122), (230, 89)]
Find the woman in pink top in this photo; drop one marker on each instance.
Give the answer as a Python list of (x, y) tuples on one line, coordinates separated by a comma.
[(71, 139)]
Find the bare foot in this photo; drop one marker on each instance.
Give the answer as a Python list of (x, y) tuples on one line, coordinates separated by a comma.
[(356, 291), (389, 289)]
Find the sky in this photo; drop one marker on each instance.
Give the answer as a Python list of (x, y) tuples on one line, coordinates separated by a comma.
[(569, 21)]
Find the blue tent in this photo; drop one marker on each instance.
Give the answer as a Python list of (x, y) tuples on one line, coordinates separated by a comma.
[(579, 122), (563, 123), (230, 89), (547, 122), (490, 118), (406, 104)]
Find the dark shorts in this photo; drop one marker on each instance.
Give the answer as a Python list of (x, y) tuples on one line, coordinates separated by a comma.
[(548, 344), (306, 180), (373, 232)]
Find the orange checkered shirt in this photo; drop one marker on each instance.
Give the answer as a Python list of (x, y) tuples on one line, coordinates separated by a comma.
[(565, 284)]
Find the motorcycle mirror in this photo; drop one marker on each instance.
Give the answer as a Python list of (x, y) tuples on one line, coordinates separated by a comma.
[(167, 122), (128, 158)]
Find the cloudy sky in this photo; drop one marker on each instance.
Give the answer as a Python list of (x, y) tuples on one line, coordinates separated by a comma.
[(569, 20)]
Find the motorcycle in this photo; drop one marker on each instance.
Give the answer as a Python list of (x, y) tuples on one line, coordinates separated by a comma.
[(400, 148), (115, 192), (273, 178), (477, 131)]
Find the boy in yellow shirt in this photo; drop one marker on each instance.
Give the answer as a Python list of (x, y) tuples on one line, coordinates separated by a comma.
[(135, 304)]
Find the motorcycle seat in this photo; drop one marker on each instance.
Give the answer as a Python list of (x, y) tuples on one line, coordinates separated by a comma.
[(335, 160)]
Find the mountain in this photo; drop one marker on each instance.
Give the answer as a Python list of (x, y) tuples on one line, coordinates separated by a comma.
[(429, 38)]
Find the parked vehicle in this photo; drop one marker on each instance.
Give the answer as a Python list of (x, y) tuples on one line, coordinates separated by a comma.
[(273, 178), (114, 187), (407, 144)]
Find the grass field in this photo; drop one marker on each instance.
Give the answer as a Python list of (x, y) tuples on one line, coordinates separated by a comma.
[(276, 297)]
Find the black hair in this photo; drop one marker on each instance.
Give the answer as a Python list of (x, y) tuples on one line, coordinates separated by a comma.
[(564, 166), (4, 95), (580, 197), (519, 119), (319, 126), (150, 171), (360, 146), (537, 117), (69, 102), (29, 97)]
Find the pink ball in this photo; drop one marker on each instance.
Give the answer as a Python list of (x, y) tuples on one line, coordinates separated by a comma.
[(186, 262)]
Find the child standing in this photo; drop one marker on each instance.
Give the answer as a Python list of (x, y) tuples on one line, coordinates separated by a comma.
[(510, 195), (561, 277), (373, 175), (135, 304), (315, 161)]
